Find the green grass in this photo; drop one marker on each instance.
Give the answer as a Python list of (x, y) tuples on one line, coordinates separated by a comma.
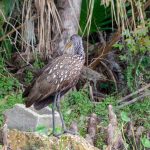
[(10, 92), (77, 107), (139, 113), (10, 88), (8, 102)]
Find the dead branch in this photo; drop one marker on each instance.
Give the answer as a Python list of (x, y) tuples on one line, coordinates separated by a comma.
[(91, 75), (134, 93), (11, 32), (104, 50), (111, 74), (115, 68), (91, 47), (69, 12), (14, 30), (134, 100)]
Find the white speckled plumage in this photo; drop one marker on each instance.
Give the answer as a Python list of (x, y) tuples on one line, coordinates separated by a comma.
[(59, 76)]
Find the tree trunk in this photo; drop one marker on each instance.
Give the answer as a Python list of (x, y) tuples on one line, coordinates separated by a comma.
[(47, 25), (69, 11)]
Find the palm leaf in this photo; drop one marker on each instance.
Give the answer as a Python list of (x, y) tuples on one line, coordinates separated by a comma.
[(101, 17)]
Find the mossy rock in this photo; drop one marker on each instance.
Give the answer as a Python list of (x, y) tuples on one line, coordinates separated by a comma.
[(33, 141)]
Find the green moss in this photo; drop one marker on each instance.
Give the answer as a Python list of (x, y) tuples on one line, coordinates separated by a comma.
[(139, 112), (77, 106), (10, 93)]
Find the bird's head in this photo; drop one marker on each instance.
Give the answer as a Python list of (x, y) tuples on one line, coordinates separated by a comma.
[(75, 46)]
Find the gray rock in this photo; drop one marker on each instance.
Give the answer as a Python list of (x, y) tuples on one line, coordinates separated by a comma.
[(28, 119)]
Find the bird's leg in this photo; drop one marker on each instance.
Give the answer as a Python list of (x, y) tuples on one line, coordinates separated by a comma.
[(61, 117), (56, 104), (60, 114), (53, 113)]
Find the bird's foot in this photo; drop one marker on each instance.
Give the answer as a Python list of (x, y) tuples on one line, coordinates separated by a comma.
[(65, 132), (57, 134), (70, 132)]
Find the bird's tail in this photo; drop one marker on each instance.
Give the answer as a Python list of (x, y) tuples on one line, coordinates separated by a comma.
[(43, 103)]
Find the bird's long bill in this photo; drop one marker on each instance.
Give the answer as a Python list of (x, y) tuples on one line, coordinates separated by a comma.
[(68, 45), (68, 48)]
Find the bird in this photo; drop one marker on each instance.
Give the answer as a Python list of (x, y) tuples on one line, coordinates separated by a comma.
[(56, 79)]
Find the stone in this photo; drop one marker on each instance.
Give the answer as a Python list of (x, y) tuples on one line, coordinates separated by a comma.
[(28, 119), (19, 140)]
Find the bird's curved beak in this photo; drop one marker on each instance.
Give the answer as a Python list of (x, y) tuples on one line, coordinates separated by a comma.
[(68, 45), (68, 48)]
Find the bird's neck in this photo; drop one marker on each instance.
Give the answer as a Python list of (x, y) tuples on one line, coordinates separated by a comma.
[(81, 53)]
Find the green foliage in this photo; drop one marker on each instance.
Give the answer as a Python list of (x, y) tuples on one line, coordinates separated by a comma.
[(6, 46), (8, 102), (124, 116), (38, 64), (101, 16), (139, 112), (1, 18), (6, 8), (7, 82), (77, 106), (10, 93), (101, 109), (41, 129), (136, 47), (146, 142), (29, 76)]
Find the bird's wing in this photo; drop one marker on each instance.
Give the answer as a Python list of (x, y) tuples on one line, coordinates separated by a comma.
[(29, 87), (57, 77)]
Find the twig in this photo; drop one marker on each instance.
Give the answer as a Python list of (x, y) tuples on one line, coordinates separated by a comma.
[(105, 49), (11, 32), (133, 100), (111, 73), (134, 93), (15, 29)]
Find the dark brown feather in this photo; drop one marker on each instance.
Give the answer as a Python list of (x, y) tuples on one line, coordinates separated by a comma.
[(59, 76), (45, 102)]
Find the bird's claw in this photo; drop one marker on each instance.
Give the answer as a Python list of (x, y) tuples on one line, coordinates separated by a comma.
[(57, 134), (70, 132), (65, 132)]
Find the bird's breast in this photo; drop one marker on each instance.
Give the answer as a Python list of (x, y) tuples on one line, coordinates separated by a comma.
[(62, 73)]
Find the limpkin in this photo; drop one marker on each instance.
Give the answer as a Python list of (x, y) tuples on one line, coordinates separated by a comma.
[(56, 79)]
